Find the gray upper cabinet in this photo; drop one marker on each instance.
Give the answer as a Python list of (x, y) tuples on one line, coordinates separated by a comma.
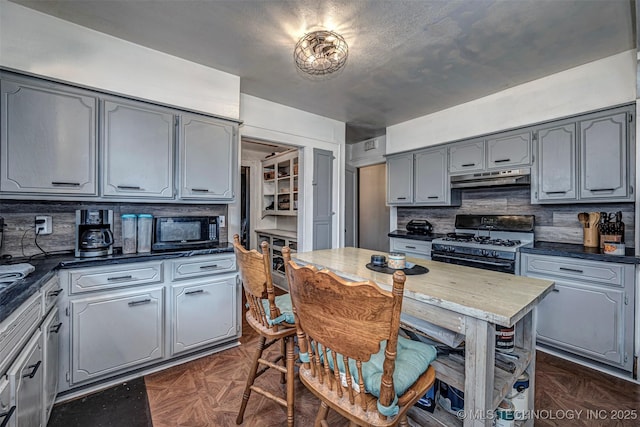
[(466, 157), (584, 160), (400, 179), (138, 146), (431, 179), (48, 139), (207, 158), (509, 150), (554, 174), (603, 157)]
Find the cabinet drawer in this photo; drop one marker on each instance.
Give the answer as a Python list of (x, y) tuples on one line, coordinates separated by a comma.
[(202, 266), (50, 293), (17, 328), (405, 245), (95, 279), (607, 273)]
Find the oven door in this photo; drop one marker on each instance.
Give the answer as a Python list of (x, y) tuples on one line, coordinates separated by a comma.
[(501, 265)]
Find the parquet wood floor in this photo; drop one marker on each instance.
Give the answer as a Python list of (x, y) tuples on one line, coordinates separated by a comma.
[(207, 393)]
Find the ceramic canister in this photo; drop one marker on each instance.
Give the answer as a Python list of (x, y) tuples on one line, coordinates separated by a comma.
[(396, 261)]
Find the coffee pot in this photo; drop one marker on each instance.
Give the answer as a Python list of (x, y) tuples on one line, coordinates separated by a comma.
[(96, 238)]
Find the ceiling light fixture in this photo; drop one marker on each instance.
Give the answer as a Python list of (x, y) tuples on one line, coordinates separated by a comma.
[(321, 53)]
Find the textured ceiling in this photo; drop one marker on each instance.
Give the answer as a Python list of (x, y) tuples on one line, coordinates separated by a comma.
[(406, 58)]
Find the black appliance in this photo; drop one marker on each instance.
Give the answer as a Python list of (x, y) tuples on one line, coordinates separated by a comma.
[(94, 232), (419, 226), (185, 232), (490, 242)]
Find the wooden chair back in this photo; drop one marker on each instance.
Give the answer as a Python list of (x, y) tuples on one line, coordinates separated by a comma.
[(348, 318), (255, 272)]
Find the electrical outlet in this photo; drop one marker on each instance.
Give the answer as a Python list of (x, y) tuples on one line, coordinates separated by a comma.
[(223, 223), (44, 224)]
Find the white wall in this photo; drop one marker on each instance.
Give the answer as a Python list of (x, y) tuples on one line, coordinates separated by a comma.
[(37, 43), (358, 155), (269, 121), (607, 82)]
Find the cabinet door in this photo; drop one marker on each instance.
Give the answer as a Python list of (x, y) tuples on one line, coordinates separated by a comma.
[(7, 409), (400, 179), (204, 312), (48, 140), (603, 158), (25, 376), (50, 332), (137, 150), (555, 172), (431, 179), (207, 158), (115, 332), (586, 320), (468, 157), (507, 151)]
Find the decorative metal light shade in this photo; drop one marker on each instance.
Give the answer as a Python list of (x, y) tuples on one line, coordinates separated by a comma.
[(321, 53)]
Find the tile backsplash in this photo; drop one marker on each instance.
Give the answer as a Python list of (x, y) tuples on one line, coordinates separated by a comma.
[(554, 223), (19, 219)]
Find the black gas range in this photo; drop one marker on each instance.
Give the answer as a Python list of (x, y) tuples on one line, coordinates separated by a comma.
[(490, 242)]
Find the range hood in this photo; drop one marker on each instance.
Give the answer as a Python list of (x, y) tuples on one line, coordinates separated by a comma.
[(492, 179)]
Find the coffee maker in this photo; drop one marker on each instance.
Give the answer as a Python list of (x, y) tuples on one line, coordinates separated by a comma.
[(94, 232)]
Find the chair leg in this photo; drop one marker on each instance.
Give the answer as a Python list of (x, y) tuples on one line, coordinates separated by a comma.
[(290, 381), (322, 415), (251, 379), (283, 350), (403, 421)]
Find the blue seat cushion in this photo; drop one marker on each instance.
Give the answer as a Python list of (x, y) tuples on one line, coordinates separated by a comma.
[(283, 302)]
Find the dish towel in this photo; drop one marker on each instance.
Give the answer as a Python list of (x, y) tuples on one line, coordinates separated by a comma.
[(11, 273)]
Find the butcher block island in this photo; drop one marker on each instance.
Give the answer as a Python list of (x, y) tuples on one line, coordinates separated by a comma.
[(470, 302)]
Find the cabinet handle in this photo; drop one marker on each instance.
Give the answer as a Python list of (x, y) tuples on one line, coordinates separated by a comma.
[(603, 189), (7, 416), (501, 160), (401, 198), (200, 190), (573, 270), (56, 329), (140, 302), (199, 291), (410, 247), (120, 278), (466, 165), (55, 293), (129, 187), (555, 290), (432, 197), (65, 184), (556, 192), (209, 267), (34, 369)]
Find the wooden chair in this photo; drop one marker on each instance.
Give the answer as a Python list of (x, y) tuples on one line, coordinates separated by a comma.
[(272, 317), (342, 331)]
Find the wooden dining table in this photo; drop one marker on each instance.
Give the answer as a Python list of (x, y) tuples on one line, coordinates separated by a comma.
[(470, 302)]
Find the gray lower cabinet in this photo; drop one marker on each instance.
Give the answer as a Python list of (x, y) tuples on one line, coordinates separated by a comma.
[(116, 331), (431, 183), (25, 377), (207, 158), (410, 247), (204, 312), (7, 409), (48, 139), (400, 179), (137, 150), (590, 312), (466, 157), (50, 336)]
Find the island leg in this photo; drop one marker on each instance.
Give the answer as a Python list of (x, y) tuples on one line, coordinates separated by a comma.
[(480, 343)]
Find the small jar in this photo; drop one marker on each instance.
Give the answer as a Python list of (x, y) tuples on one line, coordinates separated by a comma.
[(145, 222), (129, 233), (396, 261)]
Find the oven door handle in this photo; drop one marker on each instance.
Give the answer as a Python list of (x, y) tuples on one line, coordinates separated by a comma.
[(497, 264)]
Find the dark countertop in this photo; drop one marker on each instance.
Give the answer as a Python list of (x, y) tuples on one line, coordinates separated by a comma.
[(578, 251), (17, 293), (424, 237)]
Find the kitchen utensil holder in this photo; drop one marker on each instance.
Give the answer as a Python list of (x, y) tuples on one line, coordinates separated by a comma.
[(591, 237)]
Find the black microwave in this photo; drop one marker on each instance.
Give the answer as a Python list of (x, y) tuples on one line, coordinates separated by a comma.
[(185, 232)]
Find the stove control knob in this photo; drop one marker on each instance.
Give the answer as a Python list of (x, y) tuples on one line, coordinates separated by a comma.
[(493, 254), (452, 249), (484, 252)]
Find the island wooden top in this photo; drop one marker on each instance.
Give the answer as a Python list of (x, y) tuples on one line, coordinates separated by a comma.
[(499, 298)]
